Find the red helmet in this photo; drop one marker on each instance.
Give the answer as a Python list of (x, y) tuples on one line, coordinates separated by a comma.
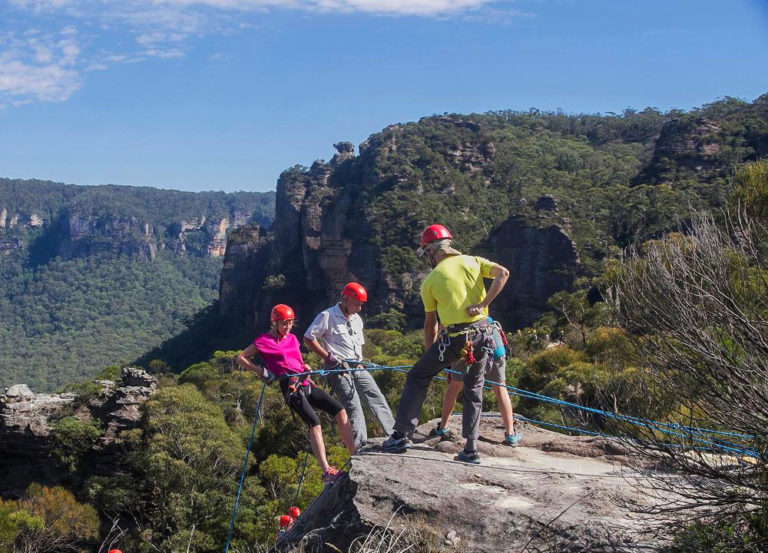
[(282, 312), (355, 290), (432, 233), (115, 551), (285, 520), (295, 512)]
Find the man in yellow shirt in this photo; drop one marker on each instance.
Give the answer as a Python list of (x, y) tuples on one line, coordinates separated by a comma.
[(455, 293)]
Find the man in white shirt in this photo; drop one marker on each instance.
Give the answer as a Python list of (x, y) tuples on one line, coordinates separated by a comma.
[(336, 334)]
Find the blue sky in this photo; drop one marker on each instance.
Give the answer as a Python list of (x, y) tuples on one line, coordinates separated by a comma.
[(225, 94)]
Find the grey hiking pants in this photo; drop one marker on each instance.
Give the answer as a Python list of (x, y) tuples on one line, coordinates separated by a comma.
[(421, 375), (356, 389)]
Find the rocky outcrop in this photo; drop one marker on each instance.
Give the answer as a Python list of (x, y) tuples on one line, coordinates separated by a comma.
[(706, 143), (243, 274), (16, 223), (28, 419), (553, 493), (89, 234), (313, 249), (20, 220), (328, 231), (693, 144), (541, 261)]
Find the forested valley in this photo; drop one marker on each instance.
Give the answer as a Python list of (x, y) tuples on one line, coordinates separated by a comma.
[(91, 276), (666, 321)]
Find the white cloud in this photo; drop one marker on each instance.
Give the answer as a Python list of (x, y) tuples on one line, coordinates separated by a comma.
[(139, 7), (38, 66), (51, 83), (398, 7), (46, 66)]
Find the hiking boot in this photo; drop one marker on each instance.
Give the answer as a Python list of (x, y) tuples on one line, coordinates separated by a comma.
[(512, 440), (396, 442), (468, 457), (332, 474), (437, 431)]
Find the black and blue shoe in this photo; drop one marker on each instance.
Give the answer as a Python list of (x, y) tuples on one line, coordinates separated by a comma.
[(396, 443), (468, 457)]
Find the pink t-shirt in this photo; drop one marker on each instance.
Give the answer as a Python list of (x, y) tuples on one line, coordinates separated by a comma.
[(281, 357)]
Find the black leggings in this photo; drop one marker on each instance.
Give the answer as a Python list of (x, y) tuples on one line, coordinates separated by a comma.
[(305, 398)]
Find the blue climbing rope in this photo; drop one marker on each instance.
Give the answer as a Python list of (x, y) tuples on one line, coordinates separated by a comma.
[(245, 464), (672, 429), (303, 470)]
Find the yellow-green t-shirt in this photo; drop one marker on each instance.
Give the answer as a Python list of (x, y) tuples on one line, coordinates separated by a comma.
[(455, 284)]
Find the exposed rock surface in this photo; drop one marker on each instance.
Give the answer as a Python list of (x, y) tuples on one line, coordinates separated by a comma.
[(77, 221), (27, 420), (326, 233), (553, 493), (541, 262), (707, 144), (243, 272)]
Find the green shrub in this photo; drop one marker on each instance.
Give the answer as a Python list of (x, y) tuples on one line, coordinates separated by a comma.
[(738, 533), (73, 438)]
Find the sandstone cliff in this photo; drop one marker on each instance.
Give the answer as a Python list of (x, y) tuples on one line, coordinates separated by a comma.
[(358, 218), (707, 143), (27, 420), (54, 219)]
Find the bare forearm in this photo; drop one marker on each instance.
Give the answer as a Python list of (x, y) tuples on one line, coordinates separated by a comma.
[(315, 347), (493, 291), (249, 365), (500, 275)]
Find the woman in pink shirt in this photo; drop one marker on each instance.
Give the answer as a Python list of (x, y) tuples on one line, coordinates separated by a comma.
[(279, 351)]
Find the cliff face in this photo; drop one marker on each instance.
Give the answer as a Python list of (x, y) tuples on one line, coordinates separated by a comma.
[(707, 143), (27, 420), (73, 234), (329, 230), (53, 219), (244, 272), (541, 262)]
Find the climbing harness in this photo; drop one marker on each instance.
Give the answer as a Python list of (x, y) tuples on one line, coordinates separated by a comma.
[(296, 381)]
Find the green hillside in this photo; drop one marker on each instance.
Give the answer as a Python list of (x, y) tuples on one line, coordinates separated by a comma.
[(91, 276), (68, 318)]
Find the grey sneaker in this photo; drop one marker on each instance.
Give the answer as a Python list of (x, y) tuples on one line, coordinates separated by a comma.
[(396, 442), (512, 440), (468, 457)]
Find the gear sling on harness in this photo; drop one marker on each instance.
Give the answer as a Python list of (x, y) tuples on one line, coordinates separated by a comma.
[(469, 331), (293, 393), (303, 396)]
